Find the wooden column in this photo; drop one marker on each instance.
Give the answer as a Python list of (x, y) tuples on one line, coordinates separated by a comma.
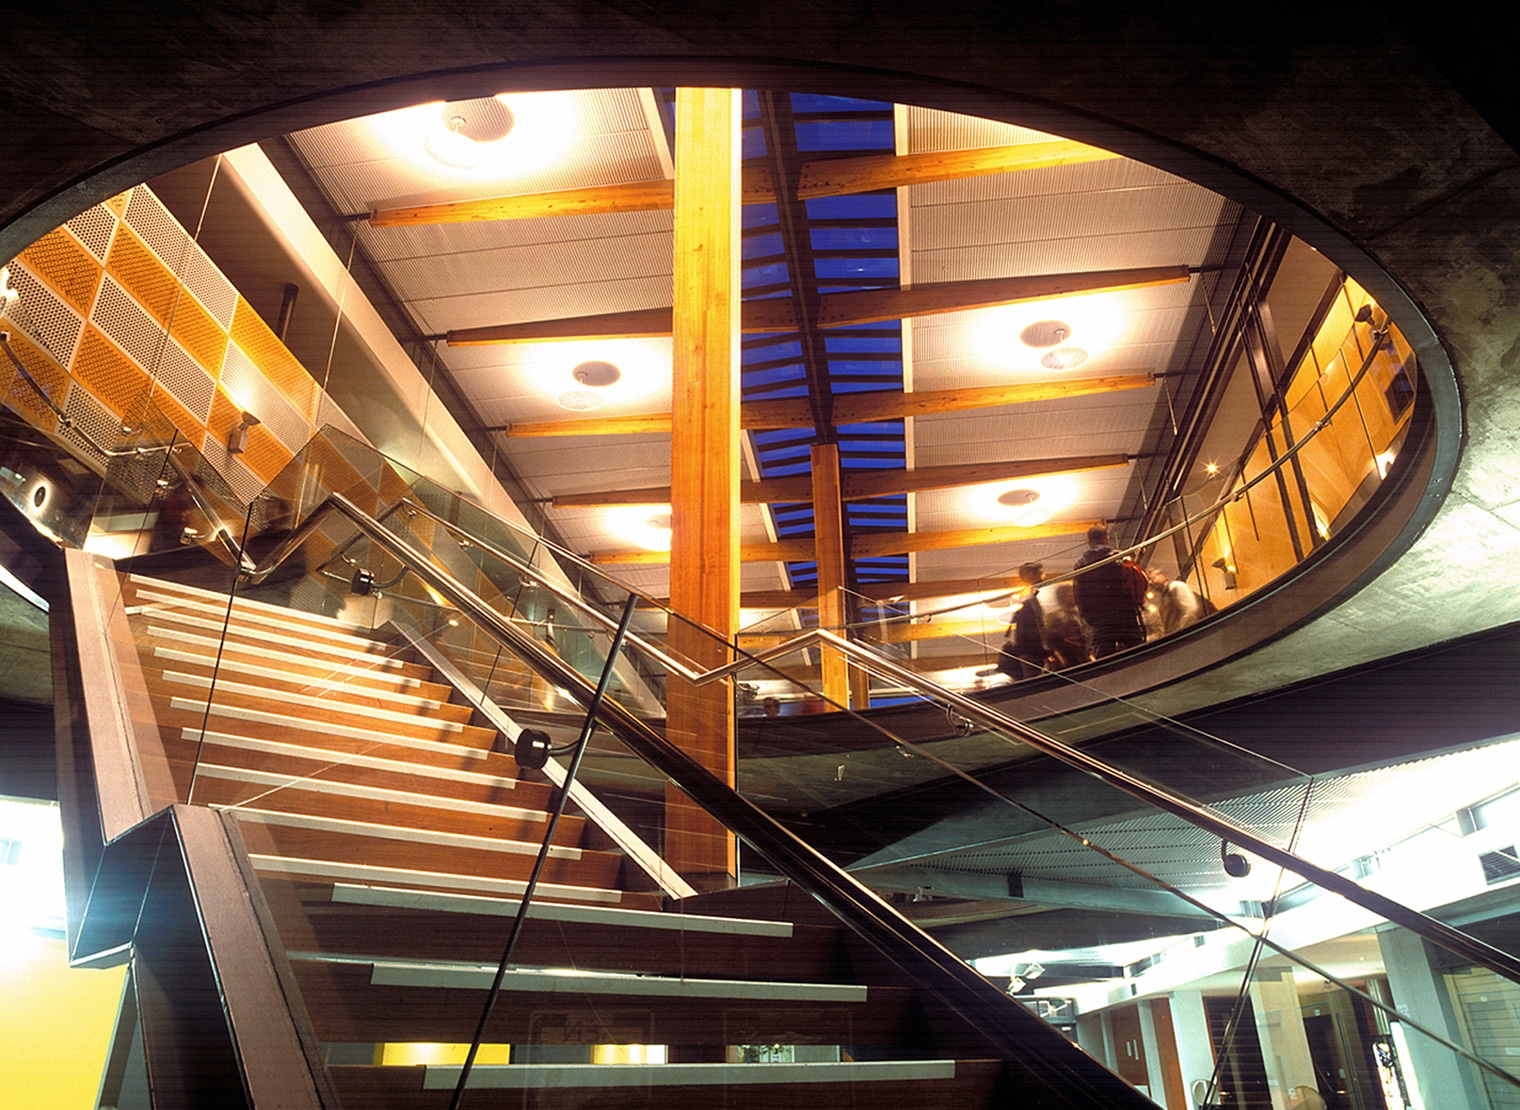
[(828, 538), (704, 494)]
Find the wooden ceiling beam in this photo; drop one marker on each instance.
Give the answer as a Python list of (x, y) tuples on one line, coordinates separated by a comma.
[(860, 484), (830, 177), (835, 310), (849, 408), (867, 545)]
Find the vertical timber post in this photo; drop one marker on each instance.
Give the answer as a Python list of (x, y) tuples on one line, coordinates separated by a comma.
[(828, 539), (704, 556)]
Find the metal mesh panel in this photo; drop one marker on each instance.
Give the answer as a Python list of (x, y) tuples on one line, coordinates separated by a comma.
[(181, 376), (47, 373), (94, 229), (127, 325), (109, 374), (329, 415), (242, 379), (91, 418), (246, 484), (274, 362), (153, 223), (214, 291), (202, 337), (66, 266), (44, 316), (143, 274)]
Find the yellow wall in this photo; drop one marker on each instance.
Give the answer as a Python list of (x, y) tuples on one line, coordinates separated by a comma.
[(55, 1025)]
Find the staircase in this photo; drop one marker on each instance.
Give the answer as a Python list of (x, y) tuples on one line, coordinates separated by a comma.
[(392, 842)]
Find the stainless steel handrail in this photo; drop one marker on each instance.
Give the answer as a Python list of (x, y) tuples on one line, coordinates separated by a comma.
[(510, 636)]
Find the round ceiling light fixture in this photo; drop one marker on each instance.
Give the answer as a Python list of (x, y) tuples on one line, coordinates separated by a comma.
[(1045, 333), (467, 125), (596, 374), (1063, 358), (1025, 503), (647, 526)]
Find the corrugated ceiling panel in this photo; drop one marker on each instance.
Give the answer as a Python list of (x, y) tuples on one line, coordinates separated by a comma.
[(479, 310), (1055, 185), (1154, 210), (930, 129), (389, 244), (554, 265)]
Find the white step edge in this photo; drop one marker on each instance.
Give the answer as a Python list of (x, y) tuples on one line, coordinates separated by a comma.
[(330, 683), (150, 604), (348, 732), (333, 700), (207, 658), (369, 793), (174, 591), (259, 637), (329, 758), (392, 897), (181, 590), (517, 1077), (458, 977), (397, 832), (329, 869)]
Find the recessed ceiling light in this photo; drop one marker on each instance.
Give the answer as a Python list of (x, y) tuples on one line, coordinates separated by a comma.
[(1063, 358), (596, 373), (579, 400), (1045, 333)]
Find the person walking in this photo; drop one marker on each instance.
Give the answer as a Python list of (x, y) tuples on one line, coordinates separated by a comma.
[(1104, 597)]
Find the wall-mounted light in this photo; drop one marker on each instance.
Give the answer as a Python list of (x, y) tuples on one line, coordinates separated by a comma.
[(1229, 573), (237, 439)]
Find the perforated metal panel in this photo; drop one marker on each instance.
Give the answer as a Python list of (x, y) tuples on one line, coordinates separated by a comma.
[(246, 484), (71, 271), (273, 360), (186, 381), (329, 415), (44, 316), (113, 377), (94, 229), (91, 418), (144, 275), (242, 379), (127, 324), (153, 223), (206, 283)]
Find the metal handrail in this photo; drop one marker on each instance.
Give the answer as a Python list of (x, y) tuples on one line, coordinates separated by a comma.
[(66, 421), (505, 632)]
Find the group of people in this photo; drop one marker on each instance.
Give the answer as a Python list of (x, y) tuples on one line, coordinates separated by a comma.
[(1106, 609)]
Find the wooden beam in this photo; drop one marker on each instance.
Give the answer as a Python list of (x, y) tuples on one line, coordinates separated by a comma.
[(758, 317), (704, 557), (868, 173), (637, 196), (871, 306), (868, 545), (838, 310), (849, 408), (829, 542), (831, 177), (859, 485), (897, 543)]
